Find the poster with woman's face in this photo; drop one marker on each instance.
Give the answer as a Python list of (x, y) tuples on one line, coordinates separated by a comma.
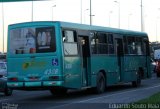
[(45, 39)]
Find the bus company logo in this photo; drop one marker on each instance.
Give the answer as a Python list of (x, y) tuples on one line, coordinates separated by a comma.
[(25, 65), (55, 62), (33, 64)]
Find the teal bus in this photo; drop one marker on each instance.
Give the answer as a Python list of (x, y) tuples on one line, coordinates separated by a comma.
[(58, 56)]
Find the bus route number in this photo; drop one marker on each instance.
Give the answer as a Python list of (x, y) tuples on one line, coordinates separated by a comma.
[(51, 71)]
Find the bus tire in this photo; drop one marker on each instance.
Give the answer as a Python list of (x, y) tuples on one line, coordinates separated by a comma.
[(58, 91), (100, 85), (137, 82)]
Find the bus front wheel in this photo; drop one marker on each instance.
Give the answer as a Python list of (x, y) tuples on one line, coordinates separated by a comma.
[(100, 85)]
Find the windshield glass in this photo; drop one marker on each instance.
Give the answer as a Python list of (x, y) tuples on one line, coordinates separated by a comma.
[(32, 40)]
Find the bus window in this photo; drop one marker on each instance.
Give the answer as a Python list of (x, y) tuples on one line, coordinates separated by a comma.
[(146, 47), (110, 44), (125, 45), (131, 45), (69, 36), (139, 46), (32, 40), (70, 42), (101, 42), (93, 45)]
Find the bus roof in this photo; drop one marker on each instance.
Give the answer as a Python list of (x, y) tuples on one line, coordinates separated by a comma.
[(83, 27), (100, 28)]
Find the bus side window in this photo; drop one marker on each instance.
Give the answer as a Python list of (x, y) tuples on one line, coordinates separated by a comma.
[(70, 42), (63, 36), (125, 45), (139, 46), (146, 47), (93, 45), (110, 44), (69, 36), (131, 45), (101, 42)]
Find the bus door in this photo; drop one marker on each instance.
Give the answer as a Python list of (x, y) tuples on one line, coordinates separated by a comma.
[(119, 49), (85, 56)]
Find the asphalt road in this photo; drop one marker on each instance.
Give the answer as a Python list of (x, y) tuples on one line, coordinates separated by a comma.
[(80, 99)]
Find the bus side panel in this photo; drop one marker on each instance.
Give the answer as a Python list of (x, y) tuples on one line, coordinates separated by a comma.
[(72, 72), (109, 65), (132, 65)]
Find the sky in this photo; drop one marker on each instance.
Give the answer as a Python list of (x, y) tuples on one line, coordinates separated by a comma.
[(104, 13)]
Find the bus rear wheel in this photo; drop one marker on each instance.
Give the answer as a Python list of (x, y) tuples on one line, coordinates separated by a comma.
[(137, 82), (100, 86), (58, 91)]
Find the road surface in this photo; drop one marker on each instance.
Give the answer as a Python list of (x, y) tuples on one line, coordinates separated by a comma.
[(122, 94)]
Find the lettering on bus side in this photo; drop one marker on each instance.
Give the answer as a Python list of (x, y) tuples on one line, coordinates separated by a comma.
[(68, 66), (33, 64)]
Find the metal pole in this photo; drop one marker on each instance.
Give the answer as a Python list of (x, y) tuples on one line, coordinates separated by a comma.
[(110, 18), (156, 29), (3, 24), (129, 20), (32, 11), (142, 26), (81, 11), (118, 13), (85, 15), (90, 12), (52, 11)]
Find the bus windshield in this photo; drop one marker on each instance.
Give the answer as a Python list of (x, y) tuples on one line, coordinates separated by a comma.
[(32, 40)]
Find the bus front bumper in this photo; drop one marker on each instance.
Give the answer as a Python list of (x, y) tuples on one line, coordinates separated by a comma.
[(34, 84)]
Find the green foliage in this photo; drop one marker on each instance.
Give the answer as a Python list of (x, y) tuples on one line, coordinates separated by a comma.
[(152, 99), (152, 102)]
